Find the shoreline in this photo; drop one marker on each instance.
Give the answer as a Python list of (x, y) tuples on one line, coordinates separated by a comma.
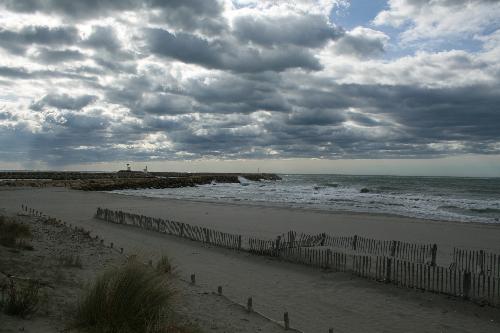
[(242, 219), (276, 205)]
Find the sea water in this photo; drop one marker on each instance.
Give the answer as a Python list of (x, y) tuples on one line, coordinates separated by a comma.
[(439, 198)]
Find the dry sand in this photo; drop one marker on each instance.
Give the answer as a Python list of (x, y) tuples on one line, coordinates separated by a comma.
[(62, 284), (315, 300)]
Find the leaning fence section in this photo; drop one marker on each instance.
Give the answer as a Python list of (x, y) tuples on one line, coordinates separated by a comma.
[(477, 262), (474, 275), (423, 253), (184, 230)]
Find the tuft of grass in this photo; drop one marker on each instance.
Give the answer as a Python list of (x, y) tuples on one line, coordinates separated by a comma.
[(133, 298), (14, 234), (20, 300), (70, 261), (164, 265)]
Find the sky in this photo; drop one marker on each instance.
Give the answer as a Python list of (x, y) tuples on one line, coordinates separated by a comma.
[(321, 86)]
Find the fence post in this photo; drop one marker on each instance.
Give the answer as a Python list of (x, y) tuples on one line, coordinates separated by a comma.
[(286, 319), (354, 242), (434, 255), (193, 279), (249, 304), (239, 242), (323, 239), (182, 229), (481, 261), (388, 270), (393, 248), (467, 285), (277, 246), (207, 236), (328, 258)]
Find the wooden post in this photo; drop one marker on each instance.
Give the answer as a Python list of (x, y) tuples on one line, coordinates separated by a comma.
[(182, 229), (219, 290), (277, 249), (355, 242), (286, 319), (249, 304), (393, 248), (121, 249), (434, 255), (388, 270), (239, 242), (207, 236), (467, 285), (481, 261), (193, 279)]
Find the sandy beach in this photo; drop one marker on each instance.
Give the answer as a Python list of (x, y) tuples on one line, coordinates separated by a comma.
[(316, 300)]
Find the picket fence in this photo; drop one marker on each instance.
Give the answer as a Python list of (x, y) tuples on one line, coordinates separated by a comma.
[(477, 261), (403, 264)]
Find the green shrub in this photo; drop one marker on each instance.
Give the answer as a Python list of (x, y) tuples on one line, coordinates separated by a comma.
[(21, 300), (133, 298)]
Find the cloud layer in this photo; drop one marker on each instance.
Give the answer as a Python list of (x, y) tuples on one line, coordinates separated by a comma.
[(90, 81)]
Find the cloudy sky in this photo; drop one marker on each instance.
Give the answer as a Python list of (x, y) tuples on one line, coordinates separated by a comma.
[(320, 86)]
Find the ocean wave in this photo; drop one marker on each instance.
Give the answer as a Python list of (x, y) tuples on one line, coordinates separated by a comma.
[(392, 195)]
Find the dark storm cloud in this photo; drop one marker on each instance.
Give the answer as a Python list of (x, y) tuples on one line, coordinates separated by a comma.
[(238, 94), (63, 102), (222, 54), (103, 38), (73, 9), (307, 30), (17, 41), (14, 72), (190, 15), (49, 56), (360, 46)]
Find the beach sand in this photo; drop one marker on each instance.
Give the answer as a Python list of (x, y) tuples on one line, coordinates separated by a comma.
[(62, 284), (315, 300)]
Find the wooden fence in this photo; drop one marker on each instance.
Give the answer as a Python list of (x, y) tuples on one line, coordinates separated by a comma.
[(479, 288), (477, 262), (195, 233), (402, 264), (422, 253)]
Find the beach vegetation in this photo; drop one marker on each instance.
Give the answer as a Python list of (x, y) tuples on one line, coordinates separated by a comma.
[(70, 261), (20, 299), (14, 234), (132, 298), (164, 266)]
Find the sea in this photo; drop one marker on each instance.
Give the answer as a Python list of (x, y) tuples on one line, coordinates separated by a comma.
[(438, 198)]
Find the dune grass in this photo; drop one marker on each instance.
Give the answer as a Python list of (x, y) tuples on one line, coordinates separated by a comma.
[(20, 299), (14, 234), (164, 266), (70, 261), (132, 298)]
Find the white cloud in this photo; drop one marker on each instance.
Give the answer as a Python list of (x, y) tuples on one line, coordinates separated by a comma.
[(439, 19)]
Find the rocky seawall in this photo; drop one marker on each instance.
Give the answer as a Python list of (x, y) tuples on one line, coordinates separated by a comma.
[(124, 179)]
